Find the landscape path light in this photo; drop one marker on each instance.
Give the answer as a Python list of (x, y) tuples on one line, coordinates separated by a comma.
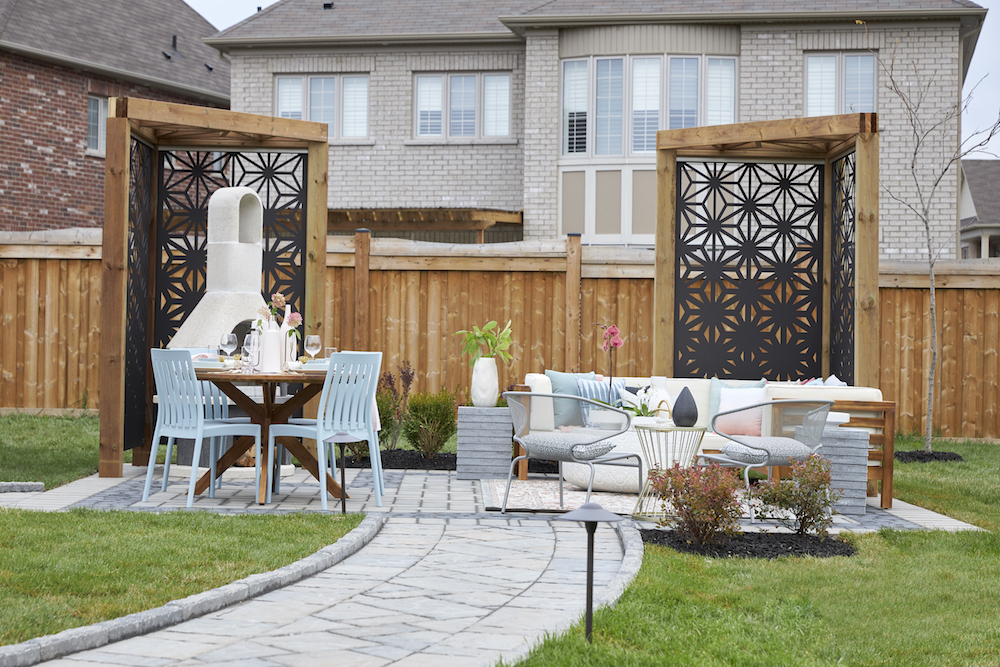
[(590, 514)]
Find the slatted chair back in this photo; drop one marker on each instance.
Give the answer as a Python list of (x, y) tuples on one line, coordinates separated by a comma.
[(348, 396), (181, 403)]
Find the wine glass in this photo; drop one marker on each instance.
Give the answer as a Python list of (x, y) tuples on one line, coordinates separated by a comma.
[(228, 344), (251, 344), (313, 345)]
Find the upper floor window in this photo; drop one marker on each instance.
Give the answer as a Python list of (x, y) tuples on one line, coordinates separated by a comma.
[(630, 98), (341, 101), (462, 106), (97, 114), (839, 83)]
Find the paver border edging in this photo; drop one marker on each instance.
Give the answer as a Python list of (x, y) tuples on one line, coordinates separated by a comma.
[(63, 643), (22, 487), (631, 541)]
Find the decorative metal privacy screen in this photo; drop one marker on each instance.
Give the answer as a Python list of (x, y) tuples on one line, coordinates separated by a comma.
[(749, 270), (187, 181), (842, 258), (137, 296)]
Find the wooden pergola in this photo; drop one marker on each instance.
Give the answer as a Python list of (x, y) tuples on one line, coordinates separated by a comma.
[(819, 139), (167, 125)]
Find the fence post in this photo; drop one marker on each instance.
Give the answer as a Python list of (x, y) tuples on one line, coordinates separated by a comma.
[(362, 250), (573, 294)]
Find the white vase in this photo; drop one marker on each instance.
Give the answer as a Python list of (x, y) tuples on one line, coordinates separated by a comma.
[(485, 384), (289, 344), (271, 348)]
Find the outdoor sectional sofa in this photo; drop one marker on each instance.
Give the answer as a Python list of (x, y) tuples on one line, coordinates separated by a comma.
[(863, 408)]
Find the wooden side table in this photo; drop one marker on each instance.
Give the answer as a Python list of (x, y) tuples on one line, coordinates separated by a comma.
[(662, 446)]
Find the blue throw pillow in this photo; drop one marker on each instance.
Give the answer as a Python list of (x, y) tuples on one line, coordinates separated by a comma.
[(597, 390), (566, 412), (715, 392)]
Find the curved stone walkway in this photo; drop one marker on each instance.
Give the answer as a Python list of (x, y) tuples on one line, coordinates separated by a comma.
[(425, 591)]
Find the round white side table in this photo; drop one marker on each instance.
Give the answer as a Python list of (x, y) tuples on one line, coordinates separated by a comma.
[(662, 446)]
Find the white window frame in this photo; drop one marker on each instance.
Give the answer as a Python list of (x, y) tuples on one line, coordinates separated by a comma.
[(628, 151), (840, 78), (479, 135), (335, 129), (102, 125)]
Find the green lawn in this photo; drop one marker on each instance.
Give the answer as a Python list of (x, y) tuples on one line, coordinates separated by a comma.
[(60, 570), (53, 450), (907, 598)]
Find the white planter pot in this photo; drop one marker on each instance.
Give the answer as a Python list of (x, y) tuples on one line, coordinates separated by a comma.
[(485, 384)]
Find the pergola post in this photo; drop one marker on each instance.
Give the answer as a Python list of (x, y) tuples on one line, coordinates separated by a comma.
[(866, 298), (663, 281), (315, 212), (114, 283)]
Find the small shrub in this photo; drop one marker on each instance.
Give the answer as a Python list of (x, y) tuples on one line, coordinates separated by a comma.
[(807, 495), (430, 421), (392, 401), (703, 500)]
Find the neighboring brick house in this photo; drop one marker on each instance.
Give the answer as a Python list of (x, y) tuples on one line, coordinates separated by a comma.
[(59, 63), (552, 107), (981, 209)]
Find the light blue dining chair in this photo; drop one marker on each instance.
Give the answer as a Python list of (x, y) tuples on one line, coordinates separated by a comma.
[(181, 414), (345, 414)]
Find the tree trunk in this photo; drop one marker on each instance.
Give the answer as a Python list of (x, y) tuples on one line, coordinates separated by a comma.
[(934, 351)]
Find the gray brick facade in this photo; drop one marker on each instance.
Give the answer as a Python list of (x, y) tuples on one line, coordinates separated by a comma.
[(772, 85), (392, 169)]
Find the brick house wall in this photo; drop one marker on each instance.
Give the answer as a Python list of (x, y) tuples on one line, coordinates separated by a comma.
[(392, 168), (772, 85), (541, 150), (47, 179)]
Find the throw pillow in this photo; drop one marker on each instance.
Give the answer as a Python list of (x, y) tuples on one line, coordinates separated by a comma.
[(716, 388), (744, 422), (597, 391), (540, 417), (565, 411)]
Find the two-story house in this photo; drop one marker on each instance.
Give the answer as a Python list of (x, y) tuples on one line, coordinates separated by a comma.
[(60, 62), (552, 107)]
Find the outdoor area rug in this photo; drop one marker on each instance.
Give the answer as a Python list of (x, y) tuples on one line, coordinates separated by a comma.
[(542, 495)]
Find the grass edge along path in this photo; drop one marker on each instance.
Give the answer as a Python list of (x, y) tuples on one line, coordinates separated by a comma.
[(907, 598), (60, 570)]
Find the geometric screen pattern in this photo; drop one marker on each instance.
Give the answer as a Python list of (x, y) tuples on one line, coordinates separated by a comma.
[(748, 280), (187, 180), (137, 293), (842, 274)]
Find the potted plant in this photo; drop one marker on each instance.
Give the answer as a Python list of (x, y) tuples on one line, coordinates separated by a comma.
[(484, 346)]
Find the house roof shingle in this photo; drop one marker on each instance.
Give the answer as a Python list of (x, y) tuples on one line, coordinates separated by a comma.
[(983, 177), (126, 38), (307, 20)]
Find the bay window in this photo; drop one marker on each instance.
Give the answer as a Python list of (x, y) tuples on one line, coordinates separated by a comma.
[(625, 97)]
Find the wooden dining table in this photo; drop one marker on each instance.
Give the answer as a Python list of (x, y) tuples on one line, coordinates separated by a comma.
[(267, 412)]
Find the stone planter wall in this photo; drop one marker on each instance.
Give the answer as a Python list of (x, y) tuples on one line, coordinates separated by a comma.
[(847, 451), (484, 443)]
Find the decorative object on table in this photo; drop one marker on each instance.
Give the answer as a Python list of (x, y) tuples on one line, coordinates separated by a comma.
[(483, 346), (279, 343), (685, 410), (590, 514), (234, 261)]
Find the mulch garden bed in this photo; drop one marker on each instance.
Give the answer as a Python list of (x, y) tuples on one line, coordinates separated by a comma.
[(920, 456), (751, 545)]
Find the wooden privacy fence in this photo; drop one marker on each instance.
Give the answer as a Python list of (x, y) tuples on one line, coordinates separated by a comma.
[(420, 294)]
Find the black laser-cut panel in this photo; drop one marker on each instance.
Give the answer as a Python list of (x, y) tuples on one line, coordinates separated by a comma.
[(843, 271), (137, 292), (748, 289), (187, 181)]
